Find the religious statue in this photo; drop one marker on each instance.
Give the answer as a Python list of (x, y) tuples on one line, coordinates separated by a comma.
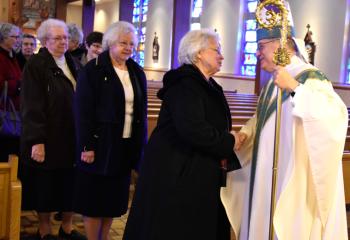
[(310, 45), (155, 49)]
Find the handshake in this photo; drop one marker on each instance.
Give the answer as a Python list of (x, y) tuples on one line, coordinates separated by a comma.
[(240, 138)]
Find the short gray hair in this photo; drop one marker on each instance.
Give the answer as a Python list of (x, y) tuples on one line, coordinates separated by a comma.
[(75, 33), (115, 31), (193, 42), (5, 29), (44, 29), (27, 35)]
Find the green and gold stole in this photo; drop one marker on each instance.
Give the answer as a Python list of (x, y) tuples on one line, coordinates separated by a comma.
[(266, 106)]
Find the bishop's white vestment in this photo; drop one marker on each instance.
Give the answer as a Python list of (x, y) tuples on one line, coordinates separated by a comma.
[(310, 201)]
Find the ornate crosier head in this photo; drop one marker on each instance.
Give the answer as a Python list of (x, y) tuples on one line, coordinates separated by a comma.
[(272, 16)]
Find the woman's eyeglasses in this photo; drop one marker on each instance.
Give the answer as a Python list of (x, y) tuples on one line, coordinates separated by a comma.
[(126, 44), (59, 38), (15, 36), (218, 50)]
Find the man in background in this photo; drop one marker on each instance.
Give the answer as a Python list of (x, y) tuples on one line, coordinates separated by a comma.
[(28, 47)]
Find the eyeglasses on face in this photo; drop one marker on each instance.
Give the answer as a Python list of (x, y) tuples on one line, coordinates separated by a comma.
[(15, 36), (126, 44), (58, 38), (261, 45), (217, 50)]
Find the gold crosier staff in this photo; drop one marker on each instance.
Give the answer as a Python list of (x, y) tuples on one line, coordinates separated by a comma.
[(281, 58)]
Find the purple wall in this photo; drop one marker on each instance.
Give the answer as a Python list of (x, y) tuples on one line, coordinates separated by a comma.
[(88, 17), (181, 25), (125, 10)]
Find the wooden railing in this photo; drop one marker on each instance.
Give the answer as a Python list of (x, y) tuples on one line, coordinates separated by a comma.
[(10, 199)]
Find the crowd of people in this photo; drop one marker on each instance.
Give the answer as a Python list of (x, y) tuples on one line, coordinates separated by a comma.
[(83, 108)]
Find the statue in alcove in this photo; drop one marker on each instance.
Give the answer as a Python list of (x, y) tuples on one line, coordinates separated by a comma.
[(155, 49), (14, 13), (310, 45)]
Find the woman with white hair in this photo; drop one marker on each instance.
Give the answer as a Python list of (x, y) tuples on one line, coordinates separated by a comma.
[(48, 134), (75, 43), (189, 152), (10, 73), (111, 122)]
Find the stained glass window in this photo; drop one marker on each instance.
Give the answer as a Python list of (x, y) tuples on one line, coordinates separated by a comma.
[(347, 80), (249, 44), (139, 20), (196, 14)]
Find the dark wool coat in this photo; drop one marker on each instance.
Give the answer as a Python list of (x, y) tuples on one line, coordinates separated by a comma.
[(177, 194), (100, 104), (47, 111), (21, 60)]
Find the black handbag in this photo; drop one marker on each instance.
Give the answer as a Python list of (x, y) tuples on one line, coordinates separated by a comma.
[(10, 122)]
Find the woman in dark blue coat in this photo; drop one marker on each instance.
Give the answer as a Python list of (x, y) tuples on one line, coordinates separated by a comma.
[(111, 105), (178, 191)]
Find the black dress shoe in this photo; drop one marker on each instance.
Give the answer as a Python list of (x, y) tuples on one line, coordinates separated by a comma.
[(73, 235)]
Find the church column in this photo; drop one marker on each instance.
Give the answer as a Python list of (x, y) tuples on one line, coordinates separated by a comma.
[(181, 25), (226, 17), (88, 16), (328, 23), (126, 8), (159, 20)]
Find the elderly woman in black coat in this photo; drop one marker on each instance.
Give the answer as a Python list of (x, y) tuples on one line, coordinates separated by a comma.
[(111, 105), (178, 191), (48, 134)]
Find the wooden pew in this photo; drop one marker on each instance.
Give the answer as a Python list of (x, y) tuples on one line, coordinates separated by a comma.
[(346, 175), (241, 111), (242, 107), (152, 121), (232, 103), (10, 199)]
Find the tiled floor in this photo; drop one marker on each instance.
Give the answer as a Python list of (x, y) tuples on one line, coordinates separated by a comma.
[(29, 223)]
